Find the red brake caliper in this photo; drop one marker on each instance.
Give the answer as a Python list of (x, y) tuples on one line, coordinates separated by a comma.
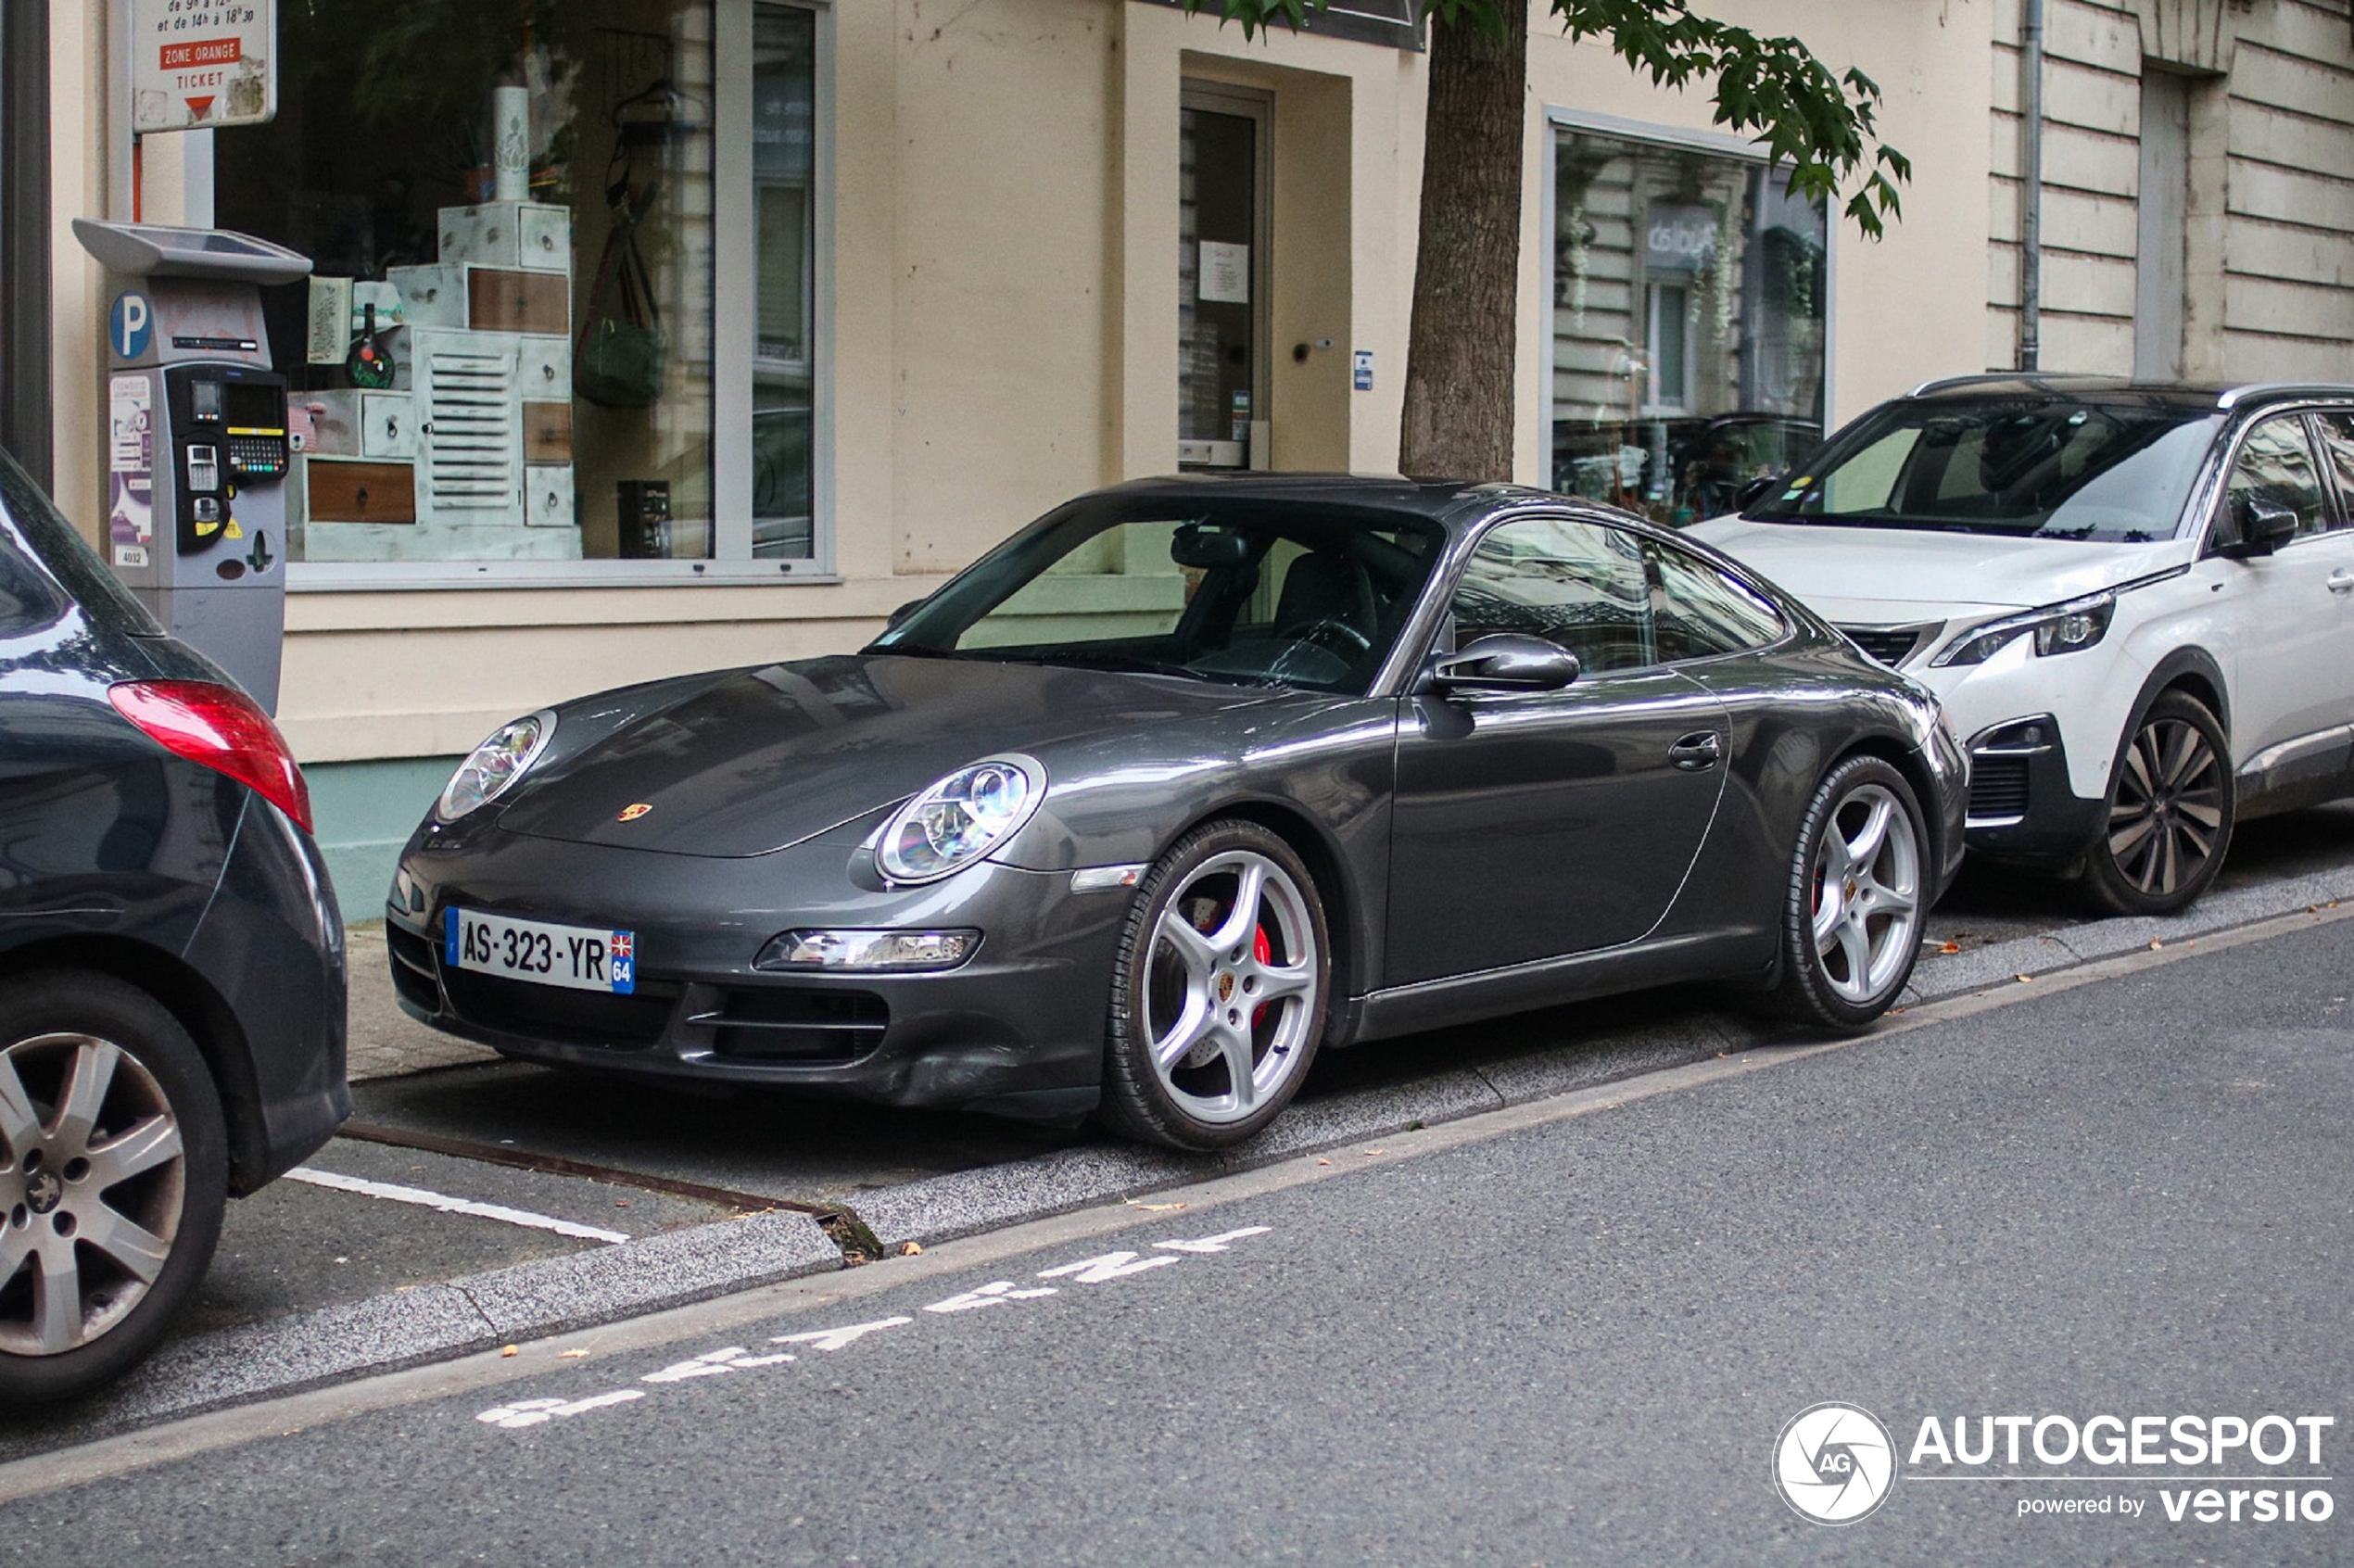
[(1264, 951)]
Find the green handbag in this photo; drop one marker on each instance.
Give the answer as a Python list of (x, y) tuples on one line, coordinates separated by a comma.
[(621, 357)]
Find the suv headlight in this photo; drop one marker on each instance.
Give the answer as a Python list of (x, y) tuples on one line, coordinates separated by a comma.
[(960, 819), (494, 766), (2057, 629)]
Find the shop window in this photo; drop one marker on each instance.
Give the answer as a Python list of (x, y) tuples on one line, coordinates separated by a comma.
[(1688, 323), (517, 347)]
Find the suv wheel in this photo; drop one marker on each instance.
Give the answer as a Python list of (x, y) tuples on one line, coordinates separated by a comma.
[(113, 1176), (2170, 812)]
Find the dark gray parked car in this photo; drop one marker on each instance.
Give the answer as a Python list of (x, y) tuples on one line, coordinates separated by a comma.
[(171, 964), (1183, 782)]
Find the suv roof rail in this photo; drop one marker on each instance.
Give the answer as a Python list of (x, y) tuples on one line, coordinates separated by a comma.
[(1937, 384), (2232, 397)]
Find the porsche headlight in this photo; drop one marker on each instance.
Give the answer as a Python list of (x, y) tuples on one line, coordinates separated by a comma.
[(495, 765), (960, 819)]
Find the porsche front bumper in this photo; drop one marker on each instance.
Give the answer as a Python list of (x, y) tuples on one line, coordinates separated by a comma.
[(1017, 1029)]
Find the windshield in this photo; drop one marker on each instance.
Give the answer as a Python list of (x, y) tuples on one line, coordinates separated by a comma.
[(1244, 591), (2047, 468)]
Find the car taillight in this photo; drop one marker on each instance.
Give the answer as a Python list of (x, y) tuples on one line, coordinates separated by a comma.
[(221, 727)]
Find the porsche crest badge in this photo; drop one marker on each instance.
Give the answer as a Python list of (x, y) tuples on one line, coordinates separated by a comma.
[(632, 813)]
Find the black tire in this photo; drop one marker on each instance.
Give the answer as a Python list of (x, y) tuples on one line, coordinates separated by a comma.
[(1808, 989), (47, 1020), (1170, 1108), (2125, 873)]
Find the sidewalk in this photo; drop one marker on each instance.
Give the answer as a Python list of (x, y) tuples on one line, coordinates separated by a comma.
[(386, 1041)]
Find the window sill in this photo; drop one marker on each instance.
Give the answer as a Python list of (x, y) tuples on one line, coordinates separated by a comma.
[(439, 577)]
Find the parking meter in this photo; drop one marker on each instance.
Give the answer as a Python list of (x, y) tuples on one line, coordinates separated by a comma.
[(197, 454)]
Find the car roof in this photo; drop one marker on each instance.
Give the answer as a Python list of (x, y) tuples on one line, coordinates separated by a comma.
[(2220, 396), (1454, 503)]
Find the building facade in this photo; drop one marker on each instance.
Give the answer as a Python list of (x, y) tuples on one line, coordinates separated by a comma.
[(651, 335)]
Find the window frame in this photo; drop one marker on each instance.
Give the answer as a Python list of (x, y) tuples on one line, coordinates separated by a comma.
[(1560, 118), (1657, 549), (2324, 481), (735, 285)]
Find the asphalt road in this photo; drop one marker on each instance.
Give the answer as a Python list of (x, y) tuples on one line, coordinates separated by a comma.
[(1572, 1341)]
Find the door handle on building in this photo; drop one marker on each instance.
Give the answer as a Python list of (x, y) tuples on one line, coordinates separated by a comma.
[(1696, 751)]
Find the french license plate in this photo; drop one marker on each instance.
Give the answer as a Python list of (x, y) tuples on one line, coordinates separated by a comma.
[(578, 957)]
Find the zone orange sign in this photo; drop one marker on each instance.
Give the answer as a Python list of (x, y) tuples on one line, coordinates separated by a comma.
[(212, 51)]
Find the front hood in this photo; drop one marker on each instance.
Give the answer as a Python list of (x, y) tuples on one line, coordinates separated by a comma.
[(750, 760), (1867, 576)]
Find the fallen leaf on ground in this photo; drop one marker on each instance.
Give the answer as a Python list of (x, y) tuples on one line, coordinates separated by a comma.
[(512, 1350), (1323, 1162), (2156, 944), (909, 1250), (2025, 979), (1154, 1207), (1370, 1153), (570, 1355), (1949, 947)]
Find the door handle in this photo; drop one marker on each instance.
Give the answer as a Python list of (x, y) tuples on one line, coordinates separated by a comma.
[(2342, 581), (1696, 751)]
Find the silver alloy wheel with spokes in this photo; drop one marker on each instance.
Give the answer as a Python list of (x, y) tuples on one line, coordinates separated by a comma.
[(2167, 811), (1230, 987), (91, 1193), (1868, 893)]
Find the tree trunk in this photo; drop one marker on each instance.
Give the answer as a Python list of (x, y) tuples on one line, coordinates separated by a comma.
[(1458, 419)]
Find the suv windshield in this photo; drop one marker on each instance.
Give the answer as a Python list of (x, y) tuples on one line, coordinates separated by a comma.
[(1243, 591), (2051, 468)]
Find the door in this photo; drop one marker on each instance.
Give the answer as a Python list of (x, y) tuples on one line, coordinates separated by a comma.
[(2290, 613), (1222, 268), (1534, 825)]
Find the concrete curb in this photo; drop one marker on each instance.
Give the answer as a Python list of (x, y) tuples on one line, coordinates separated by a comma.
[(582, 1290)]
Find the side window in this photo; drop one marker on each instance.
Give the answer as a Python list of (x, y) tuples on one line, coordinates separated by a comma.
[(25, 601), (2276, 464), (1576, 584), (2337, 455), (1699, 610)]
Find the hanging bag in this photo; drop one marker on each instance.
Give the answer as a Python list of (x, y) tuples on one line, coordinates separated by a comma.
[(620, 356)]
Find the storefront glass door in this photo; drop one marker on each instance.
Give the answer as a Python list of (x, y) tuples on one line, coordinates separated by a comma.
[(1221, 268)]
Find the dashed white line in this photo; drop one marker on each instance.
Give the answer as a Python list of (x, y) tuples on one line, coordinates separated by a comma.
[(393, 1192)]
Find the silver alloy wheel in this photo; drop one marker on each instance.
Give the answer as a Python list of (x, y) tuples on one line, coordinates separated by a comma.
[(90, 1196), (1230, 986), (1868, 893), (2168, 807)]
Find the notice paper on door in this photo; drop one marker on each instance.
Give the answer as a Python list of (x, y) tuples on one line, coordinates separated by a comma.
[(1226, 273)]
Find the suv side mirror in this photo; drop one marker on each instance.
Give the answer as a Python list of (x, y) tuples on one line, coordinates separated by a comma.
[(1755, 490), (2259, 526), (1504, 662), (900, 614)]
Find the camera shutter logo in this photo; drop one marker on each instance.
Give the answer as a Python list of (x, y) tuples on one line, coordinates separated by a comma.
[(1834, 1463)]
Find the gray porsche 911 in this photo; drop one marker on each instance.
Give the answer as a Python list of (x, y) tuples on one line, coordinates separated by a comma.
[(1183, 782)]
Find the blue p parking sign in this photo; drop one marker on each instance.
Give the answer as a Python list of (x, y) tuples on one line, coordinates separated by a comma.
[(131, 324)]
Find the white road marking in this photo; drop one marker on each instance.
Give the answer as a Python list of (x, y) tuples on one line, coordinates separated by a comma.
[(393, 1192), (710, 1363), (531, 1412), (834, 1339), (994, 1294), (1218, 1243), (1110, 1266)]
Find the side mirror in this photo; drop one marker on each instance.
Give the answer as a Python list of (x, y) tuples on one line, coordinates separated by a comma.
[(900, 614), (2257, 526), (1755, 490), (1504, 662)]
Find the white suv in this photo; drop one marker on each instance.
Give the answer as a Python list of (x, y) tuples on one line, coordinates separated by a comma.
[(2135, 602)]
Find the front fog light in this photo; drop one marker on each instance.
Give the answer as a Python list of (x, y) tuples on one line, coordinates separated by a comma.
[(867, 950)]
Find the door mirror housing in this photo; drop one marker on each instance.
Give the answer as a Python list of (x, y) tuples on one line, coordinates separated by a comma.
[(893, 620), (2255, 526), (1503, 662), (1755, 491)]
